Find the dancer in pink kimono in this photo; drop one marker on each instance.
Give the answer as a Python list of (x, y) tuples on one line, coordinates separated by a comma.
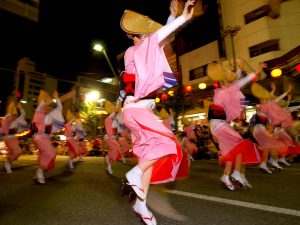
[(55, 116), (158, 151), (79, 136), (123, 134), (270, 112), (41, 137), (288, 145), (227, 107), (71, 141), (112, 142), (10, 128)]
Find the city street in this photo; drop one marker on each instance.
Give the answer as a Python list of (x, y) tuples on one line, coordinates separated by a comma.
[(88, 196)]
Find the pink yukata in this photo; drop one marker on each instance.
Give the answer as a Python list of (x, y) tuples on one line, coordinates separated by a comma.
[(151, 139), (230, 142), (9, 128), (42, 140), (71, 141), (111, 139), (277, 116), (79, 136)]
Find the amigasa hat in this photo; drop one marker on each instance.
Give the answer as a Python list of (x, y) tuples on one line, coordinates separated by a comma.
[(260, 92), (135, 23), (216, 72)]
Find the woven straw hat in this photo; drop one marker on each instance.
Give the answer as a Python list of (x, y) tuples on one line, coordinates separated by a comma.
[(283, 103), (135, 23), (185, 121), (44, 96), (216, 72), (12, 108), (260, 92)]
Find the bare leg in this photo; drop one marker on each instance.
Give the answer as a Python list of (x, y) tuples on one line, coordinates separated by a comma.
[(238, 162), (265, 155), (228, 168), (146, 179)]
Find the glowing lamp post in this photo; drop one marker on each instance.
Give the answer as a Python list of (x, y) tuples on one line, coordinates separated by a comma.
[(92, 96), (99, 48)]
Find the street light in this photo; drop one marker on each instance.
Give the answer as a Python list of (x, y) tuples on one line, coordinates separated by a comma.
[(99, 48), (232, 31), (92, 96)]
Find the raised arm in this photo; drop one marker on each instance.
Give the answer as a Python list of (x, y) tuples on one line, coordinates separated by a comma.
[(251, 76), (187, 14), (173, 11), (245, 80), (293, 108)]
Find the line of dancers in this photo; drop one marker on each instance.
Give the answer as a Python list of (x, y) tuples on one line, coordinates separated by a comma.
[(47, 121), (159, 153)]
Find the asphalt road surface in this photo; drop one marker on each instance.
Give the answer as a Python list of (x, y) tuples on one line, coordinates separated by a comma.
[(88, 196)]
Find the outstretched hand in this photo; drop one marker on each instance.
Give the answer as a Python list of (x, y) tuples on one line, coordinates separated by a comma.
[(188, 10), (55, 95), (290, 88), (239, 63), (290, 95), (174, 8), (273, 87)]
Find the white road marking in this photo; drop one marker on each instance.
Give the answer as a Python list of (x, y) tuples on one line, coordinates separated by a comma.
[(268, 208)]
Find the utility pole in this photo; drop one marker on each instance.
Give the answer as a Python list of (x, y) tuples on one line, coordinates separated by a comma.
[(231, 31)]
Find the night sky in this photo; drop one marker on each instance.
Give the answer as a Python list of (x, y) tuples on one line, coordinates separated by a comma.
[(61, 42)]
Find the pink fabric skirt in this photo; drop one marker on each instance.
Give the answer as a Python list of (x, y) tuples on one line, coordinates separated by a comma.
[(13, 148), (184, 169), (47, 151), (231, 144), (73, 147), (152, 140), (284, 137), (264, 139), (113, 148)]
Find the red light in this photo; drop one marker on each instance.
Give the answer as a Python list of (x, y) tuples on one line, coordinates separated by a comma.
[(188, 88), (164, 96), (298, 68), (18, 94), (255, 78), (216, 84)]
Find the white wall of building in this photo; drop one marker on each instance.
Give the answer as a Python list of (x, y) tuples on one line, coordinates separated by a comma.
[(286, 28), (197, 58)]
